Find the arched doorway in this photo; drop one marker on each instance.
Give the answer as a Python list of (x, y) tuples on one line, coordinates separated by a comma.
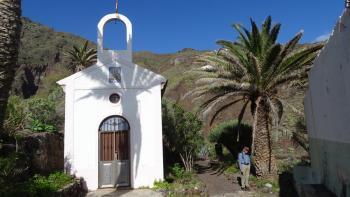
[(114, 152)]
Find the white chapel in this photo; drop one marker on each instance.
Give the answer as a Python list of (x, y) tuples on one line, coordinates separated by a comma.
[(113, 122)]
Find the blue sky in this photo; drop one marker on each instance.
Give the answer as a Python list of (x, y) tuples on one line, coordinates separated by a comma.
[(165, 26)]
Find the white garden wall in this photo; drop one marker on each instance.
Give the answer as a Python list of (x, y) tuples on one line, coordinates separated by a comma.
[(327, 107)]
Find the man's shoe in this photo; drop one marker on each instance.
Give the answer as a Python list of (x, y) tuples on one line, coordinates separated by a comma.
[(247, 188), (243, 188)]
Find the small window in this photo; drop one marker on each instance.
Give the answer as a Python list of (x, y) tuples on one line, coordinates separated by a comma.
[(115, 74), (114, 98)]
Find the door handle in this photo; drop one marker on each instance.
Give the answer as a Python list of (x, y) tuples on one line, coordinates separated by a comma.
[(116, 155)]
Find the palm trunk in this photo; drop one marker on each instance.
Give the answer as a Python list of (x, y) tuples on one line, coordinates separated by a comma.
[(10, 29), (263, 157)]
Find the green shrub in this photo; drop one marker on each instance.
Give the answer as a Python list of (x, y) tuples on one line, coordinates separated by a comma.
[(12, 168), (232, 170), (16, 115), (260, 183), (227, 133), (182, 135), (42, 115), (13, 172), (161, 185), (48, 84), (41, 109), (37, 126), (47, 186), (36, 114), (179, 172)]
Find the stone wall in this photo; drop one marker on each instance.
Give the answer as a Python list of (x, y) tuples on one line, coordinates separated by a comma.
[(77, 189), (45, 152)]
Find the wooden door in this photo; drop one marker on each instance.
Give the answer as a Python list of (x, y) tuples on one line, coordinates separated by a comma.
[(114, 159), (114, 146)]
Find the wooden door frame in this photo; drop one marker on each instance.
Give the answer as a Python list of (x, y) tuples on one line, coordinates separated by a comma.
[(99, 151)]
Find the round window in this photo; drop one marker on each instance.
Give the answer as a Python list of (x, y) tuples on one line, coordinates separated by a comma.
[(114, 98)]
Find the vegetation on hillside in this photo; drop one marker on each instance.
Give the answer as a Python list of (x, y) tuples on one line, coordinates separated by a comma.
[(41, 45), (252, 69)]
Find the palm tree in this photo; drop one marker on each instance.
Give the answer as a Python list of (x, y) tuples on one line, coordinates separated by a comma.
[(253, 69), (10, 29), (82, 57)]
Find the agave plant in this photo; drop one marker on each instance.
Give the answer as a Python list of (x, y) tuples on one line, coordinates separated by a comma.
[(82, 57), (252, 70)]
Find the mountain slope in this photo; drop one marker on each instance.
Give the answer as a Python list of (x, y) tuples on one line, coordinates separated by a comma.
[(43, 62)]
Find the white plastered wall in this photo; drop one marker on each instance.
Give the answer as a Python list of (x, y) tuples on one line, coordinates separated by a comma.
[(87, 105), (327, 107)]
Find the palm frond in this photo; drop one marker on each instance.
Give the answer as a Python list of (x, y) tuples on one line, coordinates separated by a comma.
[(293, 108), (267, 25), (82, 57), (241, 113), (293, 77), (222, 108), (270, 61), (299, 58), (255, 39), (290, 45), (243, 38), (218, 99), (276, 107), (274, 33)]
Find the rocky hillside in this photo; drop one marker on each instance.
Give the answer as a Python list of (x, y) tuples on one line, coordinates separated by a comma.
[(42, 62)]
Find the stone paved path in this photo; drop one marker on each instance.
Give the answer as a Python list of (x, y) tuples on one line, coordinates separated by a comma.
[(124, 193)]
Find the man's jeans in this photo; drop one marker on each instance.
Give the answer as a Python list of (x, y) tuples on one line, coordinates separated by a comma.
[(245, 170)]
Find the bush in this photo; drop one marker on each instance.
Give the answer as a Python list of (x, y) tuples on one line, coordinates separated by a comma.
[(161, 185), (42, 109), (13, 172), (260, 183), (181, 133), (179, 172), (14, 179), (232, 170), (36, 114), (12, 168), (16, 115), (48, 84), (47, 186), (37, 126), (186, 184), (227, 133), (42, 115)]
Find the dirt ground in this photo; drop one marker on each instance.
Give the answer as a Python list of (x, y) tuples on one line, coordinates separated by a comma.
[(218, 185)]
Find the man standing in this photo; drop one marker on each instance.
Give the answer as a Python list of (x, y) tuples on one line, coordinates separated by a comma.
[(244, 165)]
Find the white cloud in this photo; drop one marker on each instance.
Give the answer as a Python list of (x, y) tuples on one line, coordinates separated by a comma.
[(322, 37)]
